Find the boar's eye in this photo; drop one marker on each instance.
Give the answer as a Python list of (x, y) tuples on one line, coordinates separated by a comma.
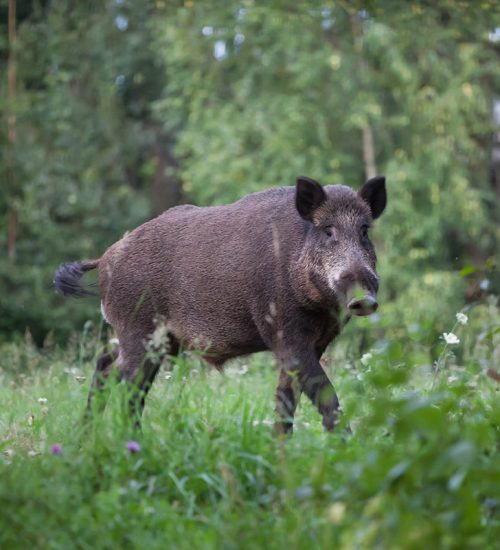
[(364, 232), (329, 231)]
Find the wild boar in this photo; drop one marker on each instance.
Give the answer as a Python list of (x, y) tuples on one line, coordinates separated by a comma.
[(272, 271)]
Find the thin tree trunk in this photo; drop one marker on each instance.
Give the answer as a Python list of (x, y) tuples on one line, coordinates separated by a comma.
[(166, 189), (495, 153), (369, 152), (368, 142), (11, 132)]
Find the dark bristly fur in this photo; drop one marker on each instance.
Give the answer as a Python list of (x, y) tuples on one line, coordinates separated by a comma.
[(67, 279), (272, 271)]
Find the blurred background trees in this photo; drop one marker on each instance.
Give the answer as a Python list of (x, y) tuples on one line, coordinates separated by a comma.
[(124, 108)]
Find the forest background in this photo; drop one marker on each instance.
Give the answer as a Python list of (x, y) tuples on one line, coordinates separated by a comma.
[(115, 110), (112, 111)]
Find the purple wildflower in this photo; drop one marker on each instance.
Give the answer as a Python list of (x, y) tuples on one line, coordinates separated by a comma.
[(56, 449), (133, 446)]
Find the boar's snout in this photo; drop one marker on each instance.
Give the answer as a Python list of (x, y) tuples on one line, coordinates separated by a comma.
[(358, 288), (366, 305)]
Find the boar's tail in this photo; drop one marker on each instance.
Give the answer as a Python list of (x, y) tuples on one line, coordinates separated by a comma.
[(67, 278)]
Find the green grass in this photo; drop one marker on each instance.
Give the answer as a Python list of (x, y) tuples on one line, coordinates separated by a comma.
[(421, 470)]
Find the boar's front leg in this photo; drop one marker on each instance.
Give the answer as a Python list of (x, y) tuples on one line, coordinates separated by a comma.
[(316, 385), (301, 371)]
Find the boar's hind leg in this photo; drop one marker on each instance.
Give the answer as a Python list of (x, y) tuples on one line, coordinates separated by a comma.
[(140, 386), (139, 373), (287, 395)]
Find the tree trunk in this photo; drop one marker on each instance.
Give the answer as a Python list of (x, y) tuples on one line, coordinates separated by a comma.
[(166, 189), (495, 153), (11, 131), (369, 152), (368, 143)]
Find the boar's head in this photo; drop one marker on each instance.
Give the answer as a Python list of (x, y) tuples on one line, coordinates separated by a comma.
[(338, 254)]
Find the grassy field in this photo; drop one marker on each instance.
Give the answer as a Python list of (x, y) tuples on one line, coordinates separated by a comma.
[(421, 469)]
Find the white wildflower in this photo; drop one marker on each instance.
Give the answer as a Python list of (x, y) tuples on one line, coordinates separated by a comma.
[(159, 338), (8, 454), (265, 422), (236, 370), (451, 338), (462, 318), (243, 370), (365, 359), (42, 400), (336, 512), (484, 284)]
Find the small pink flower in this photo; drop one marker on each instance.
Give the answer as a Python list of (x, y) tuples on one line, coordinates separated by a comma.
[(133, 446), (56, 449)]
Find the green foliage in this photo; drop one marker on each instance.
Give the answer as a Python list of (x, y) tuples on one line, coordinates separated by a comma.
[(116, 105), (420, 470), (76, 144), (127, 101)]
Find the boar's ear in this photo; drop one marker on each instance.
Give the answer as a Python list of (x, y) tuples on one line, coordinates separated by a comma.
[(308, 196), (373, 192)]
